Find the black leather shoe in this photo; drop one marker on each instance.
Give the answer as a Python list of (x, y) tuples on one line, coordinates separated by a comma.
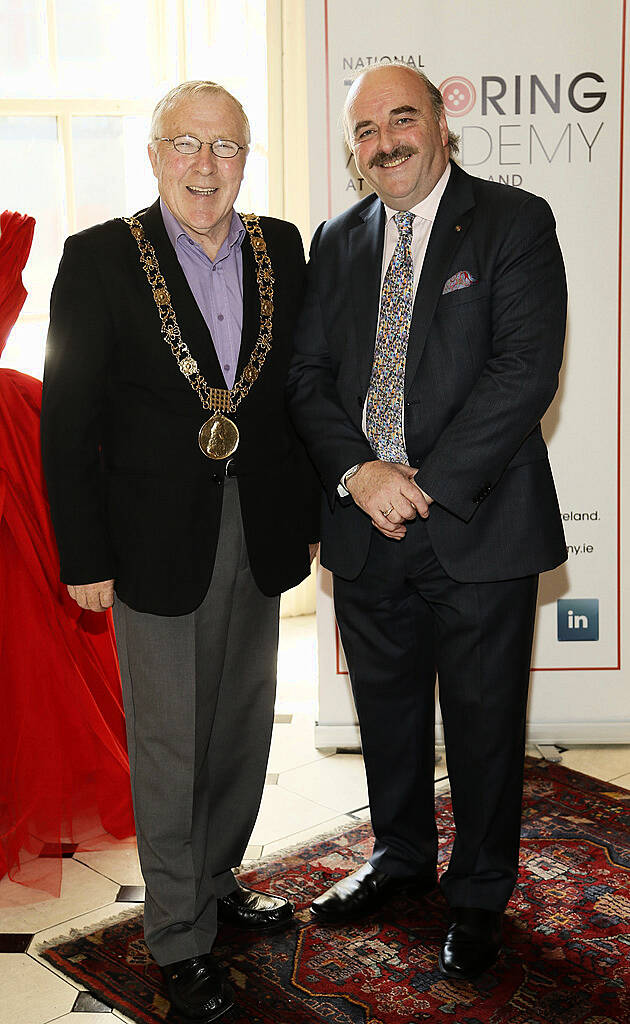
[(362, 892), (197, 989), (472, 942), (255, 911)]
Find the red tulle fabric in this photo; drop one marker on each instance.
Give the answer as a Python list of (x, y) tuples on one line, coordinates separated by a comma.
[(64, 772)]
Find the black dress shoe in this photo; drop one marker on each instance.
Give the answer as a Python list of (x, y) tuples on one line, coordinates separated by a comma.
[(472, 942), (255, 911), (197, 989), (362, 892)]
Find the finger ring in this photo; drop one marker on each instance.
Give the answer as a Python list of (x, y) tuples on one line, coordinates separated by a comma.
[(389, 511)]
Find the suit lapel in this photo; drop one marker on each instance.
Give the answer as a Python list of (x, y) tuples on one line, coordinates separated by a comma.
[(193, 327), (365, 257), (451, 224)]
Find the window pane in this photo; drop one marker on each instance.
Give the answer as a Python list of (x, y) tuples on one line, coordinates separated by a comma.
[(112, 173), (106, 49), (26, 347), (253, 197), (30, 157), (24, 66), (226, 42)]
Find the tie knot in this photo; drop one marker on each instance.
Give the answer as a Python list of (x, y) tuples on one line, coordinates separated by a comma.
[(404, 221)]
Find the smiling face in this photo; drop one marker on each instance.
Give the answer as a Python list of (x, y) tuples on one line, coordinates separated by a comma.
[(399, 147), (200, 190)]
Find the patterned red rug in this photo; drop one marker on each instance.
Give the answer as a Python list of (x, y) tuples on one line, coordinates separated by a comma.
[(567, 936)]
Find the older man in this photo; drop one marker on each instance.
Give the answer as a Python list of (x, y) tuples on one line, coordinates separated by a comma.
[(166, 447), (427, 352)]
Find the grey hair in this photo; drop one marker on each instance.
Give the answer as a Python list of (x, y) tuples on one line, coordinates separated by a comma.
[(194, 88), (437, 103)]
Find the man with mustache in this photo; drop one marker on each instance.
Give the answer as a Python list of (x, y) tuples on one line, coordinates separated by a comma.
[(427, 352), (169, 456)]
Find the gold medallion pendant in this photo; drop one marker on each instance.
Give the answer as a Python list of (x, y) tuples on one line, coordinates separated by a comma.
[(218, 437)]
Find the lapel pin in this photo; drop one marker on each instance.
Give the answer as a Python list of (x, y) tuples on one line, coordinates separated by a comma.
[(458, 227)]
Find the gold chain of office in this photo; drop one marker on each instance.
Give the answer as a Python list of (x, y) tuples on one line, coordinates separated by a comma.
[(218, 437)]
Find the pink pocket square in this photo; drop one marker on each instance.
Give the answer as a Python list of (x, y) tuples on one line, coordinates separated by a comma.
[(462, 279)]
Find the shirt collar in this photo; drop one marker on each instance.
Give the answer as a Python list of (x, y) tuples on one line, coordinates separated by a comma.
[(176, 232), (428, 207)]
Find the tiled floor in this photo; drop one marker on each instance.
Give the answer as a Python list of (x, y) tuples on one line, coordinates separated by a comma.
[(308, 792)]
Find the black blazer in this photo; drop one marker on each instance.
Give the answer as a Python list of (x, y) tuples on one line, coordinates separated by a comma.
[(132, 496), (482, 368)]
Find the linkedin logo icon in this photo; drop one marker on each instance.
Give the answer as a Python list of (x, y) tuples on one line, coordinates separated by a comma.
[(578, 618)]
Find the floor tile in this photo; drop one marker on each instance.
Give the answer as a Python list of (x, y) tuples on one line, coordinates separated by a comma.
[(282, 813), (53, 850), (15, 942), (119, 1016), (87, 1003), (294, 745), (623, 781), (361, 814), (308, 835), (31, 994), (335, 782), (130, 894), (119, 863), (602, 762), (28, 910), (252, 852), (85, 1018)]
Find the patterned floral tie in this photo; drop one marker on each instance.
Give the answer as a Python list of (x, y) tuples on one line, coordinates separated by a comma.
[(384, 403)]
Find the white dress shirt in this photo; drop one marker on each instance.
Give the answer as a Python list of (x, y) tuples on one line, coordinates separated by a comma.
[(424, 215)]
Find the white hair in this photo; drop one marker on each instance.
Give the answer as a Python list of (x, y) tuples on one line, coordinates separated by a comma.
[(194, 88)]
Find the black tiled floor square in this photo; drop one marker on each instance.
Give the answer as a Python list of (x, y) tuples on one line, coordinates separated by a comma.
[(87, 1003), (14, 942), (54, 849), (130, 894)]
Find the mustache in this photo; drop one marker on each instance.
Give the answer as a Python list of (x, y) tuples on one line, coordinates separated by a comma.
[(398, 153)]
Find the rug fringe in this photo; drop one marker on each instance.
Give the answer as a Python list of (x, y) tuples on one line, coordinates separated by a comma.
[(88, 929)]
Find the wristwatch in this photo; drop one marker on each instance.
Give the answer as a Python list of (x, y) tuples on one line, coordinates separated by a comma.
[(350, 472)]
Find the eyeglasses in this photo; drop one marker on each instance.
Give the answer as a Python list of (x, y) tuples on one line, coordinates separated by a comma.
[(189, 145)]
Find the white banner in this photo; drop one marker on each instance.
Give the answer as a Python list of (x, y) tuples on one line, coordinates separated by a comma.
[(536, 92)]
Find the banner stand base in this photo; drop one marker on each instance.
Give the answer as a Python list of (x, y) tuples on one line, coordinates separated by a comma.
[(348, 737), (337, 737)]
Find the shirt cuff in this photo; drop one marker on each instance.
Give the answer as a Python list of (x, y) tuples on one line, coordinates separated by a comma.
[(342, 490)]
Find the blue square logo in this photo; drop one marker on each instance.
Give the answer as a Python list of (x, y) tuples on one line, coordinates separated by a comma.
[(578, 618)]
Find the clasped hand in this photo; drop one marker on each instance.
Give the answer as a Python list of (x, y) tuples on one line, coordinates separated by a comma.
[(388, 493)]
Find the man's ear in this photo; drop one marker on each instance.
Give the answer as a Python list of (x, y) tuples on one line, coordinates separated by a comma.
[(152, 158), (443, 129)]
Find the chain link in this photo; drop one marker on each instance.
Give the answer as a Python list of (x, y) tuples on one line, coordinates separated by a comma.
[(220, 399)]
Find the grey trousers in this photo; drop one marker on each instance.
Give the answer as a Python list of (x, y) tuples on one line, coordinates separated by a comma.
[(199, 692)]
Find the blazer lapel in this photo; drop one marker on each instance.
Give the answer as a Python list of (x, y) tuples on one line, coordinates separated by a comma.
[(192, 325), (451, 224), (365, 257)]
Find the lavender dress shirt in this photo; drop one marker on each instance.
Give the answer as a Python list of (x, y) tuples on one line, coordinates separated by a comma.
[(217, 286)]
